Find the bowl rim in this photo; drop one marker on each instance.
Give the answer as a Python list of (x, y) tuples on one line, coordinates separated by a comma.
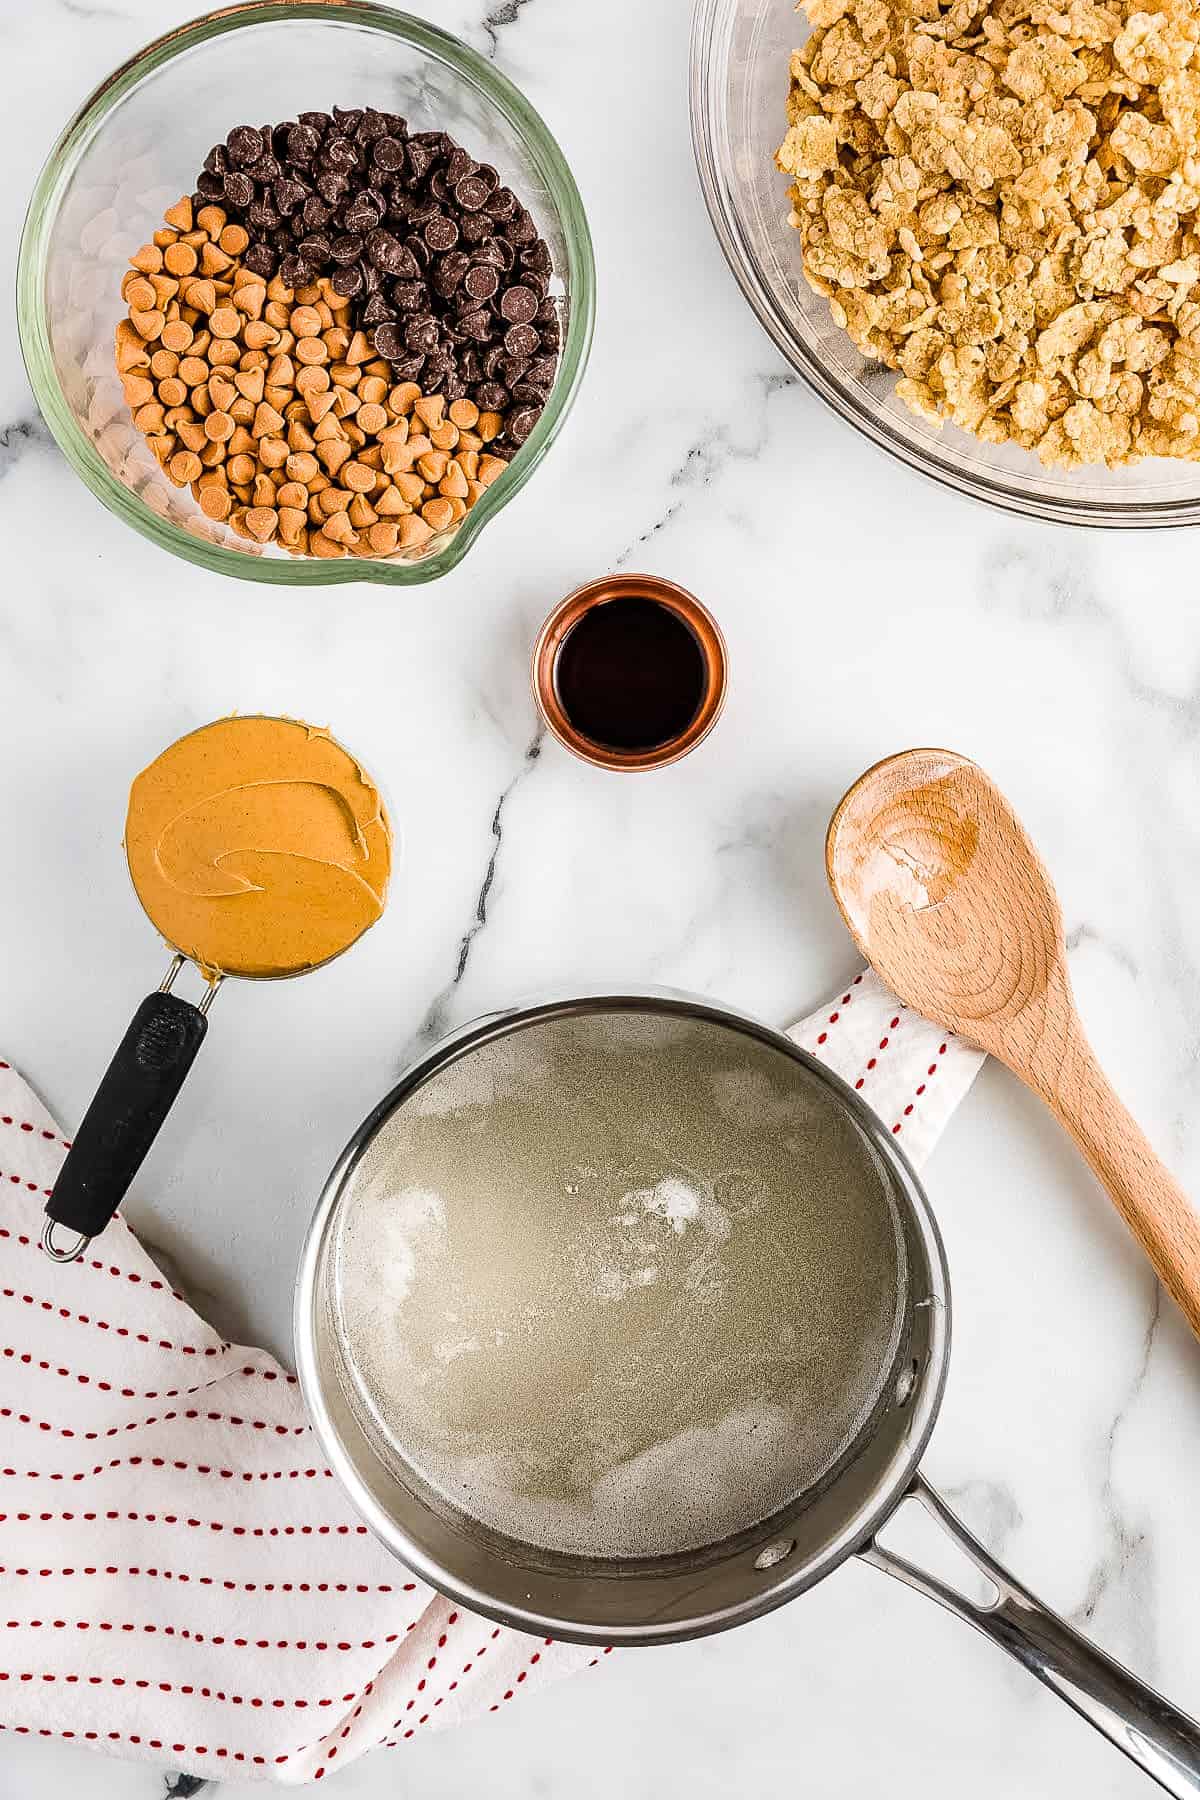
[(579, 277), (704, 72)]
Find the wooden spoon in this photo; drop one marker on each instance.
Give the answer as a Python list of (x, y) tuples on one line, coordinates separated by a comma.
[(948, 900)]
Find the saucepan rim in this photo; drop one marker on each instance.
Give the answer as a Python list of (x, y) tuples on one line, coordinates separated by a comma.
[(764, 1587)]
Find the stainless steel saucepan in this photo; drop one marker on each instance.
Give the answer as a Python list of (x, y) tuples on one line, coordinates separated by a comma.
[(622, 1320)]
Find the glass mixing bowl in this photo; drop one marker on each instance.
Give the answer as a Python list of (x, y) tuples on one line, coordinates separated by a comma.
[(739, 82), (137, 144)]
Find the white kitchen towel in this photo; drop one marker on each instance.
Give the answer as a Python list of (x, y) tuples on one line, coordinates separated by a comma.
[(182, 1581)]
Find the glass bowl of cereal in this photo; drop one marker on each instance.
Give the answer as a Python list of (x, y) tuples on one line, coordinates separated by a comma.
[(326, 348), (1006, 228)]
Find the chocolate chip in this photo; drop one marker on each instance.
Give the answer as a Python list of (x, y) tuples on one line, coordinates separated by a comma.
[(260, 260), (408, 368), (266, 170), (537, 258), (376, 311), (340, 154), (288, 195), (362, 214), (293, 272), (387, 253), (518, 305), (521, 340), (441, 233), (262, 216), (481, 282), (471, 193), (349, 121), (495, 253), (347, 282), (388, 154), (421, 334), (459, 166), (244, 144), (520, 230), (475, 227), (332, 186), (314, 249), (477, 325), (346, 249), (530, 393), (491, 361), (389, 340), (420, 160), (488, 176), (316, 214), (521, 423), (302, 144), (217, 160), (209, 186), (502, 204), (318, 121), (419, 250), (411, 296), (371, 126), (511, 370), (542, 370), (491, 396)]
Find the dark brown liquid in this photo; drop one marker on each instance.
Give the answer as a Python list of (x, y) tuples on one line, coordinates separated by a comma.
[(630, 674)]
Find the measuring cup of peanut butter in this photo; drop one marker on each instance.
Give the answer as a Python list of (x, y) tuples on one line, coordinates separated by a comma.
[(259, 848)]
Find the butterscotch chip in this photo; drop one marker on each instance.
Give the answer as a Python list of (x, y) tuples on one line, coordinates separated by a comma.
[(458, 509), (224, 322), (464, 414), (371, 419), (218, 427), (180, 259), (410, 487), (259, 335), (321, 544), (439, 513), (490, 469), (149, 259), (404, 396), (172, 391), (431, 408), (221, 391), (137, 390), (310, 351), (414, 532), (261, 522), (391, 502), (273, 452), (489, 426), (303, 468), (192, 434), (234, 239), (454, 483), (213, 260), (215, 503), (305, 321), (223, 353), (311, 380), (358, 478), (292, 521), (433, 464), (383, 538), (444, 437), (372, 390), (177, 334), (140, 295), (148, 323), (184, 466)]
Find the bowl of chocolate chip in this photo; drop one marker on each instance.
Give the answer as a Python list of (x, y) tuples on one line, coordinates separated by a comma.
[(306, 292)]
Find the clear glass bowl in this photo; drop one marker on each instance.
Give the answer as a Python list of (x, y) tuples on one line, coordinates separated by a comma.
[(739, 81), (137, 144)]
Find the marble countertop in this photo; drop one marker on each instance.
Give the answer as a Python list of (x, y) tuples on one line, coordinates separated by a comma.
[(865, 610)]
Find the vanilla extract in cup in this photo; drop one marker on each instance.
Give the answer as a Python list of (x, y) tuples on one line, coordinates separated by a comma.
[(629, 672)]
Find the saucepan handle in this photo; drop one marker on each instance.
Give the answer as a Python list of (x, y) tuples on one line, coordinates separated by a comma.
[(135, 1096), (1154, 1734)]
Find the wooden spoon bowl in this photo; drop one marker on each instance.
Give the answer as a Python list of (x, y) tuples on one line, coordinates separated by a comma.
[(949, 901)]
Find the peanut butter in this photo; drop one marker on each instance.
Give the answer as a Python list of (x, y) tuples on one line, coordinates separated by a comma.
[(258, 846)]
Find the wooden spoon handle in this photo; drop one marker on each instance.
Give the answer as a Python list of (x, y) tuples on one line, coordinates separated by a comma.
[(1142, 1189)]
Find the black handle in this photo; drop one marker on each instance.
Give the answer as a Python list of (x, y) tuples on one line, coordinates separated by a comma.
[(135, 1096)]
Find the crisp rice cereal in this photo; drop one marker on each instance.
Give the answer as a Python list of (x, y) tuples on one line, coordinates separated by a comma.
[(1000, 201)]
